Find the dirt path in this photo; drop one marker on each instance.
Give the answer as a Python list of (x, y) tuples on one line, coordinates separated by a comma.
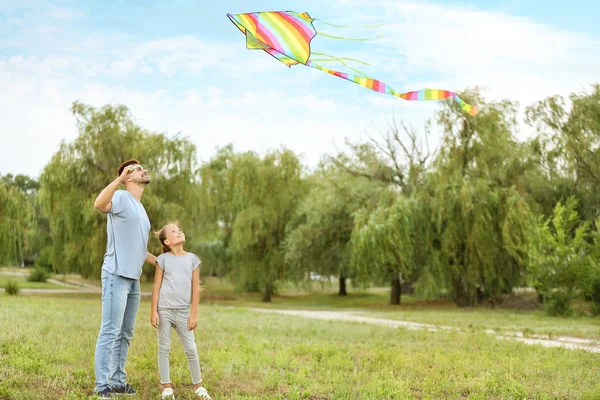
[(70, 286), (350, 316)]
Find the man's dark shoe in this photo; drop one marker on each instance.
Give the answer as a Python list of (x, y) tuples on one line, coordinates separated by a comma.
[(105, 393), (123, 390)]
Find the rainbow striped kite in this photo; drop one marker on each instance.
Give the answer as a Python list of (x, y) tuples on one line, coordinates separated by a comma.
[(286, 35)]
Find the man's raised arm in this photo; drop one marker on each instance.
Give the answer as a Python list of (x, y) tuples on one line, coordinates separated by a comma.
[(103, 201)]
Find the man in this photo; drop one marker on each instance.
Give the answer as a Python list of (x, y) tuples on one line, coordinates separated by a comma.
[(128, 227)]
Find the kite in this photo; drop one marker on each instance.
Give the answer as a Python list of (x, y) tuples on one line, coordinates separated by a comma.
[(286, 35)]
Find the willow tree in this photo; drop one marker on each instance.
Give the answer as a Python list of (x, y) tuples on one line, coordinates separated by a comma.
[(80, 169), (480, 214), (16, 223), (32, 231), (266, 192), (398, 160), (218, 211), (319, 234), (570, 134), (571, 137), (383, 245)]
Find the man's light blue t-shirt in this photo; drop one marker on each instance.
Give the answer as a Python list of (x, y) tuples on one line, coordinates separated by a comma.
[(127, 228)]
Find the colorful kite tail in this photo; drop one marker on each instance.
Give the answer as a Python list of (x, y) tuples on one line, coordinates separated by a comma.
[(380, 87), (436, 94)]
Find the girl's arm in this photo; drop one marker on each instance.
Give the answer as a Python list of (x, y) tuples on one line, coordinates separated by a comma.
[(193, 320), (158, 277)]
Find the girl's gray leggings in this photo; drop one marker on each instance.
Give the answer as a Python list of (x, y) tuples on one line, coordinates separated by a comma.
[(176, 318)]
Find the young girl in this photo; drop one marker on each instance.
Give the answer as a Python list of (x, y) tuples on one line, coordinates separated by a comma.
[(176, 286)]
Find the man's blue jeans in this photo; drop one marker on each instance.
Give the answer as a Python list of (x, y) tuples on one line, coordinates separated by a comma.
[(120, 304)]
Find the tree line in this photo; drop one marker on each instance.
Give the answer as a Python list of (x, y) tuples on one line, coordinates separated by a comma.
[(479, 215)]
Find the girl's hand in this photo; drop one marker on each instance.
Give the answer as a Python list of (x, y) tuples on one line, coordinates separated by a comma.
[(192, 323), (154, 319)]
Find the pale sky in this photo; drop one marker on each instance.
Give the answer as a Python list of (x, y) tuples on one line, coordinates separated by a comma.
[(183, 66)]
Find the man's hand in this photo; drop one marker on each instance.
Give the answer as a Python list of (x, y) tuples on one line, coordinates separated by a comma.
[(125, 174), (192, 323), (154, 319)]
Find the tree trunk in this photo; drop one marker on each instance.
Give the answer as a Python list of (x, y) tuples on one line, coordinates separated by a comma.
[(342, 286), (267, 293), (463, 297), (396, 291)]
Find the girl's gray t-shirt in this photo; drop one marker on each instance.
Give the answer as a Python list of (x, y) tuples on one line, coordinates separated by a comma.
[(176, 288)]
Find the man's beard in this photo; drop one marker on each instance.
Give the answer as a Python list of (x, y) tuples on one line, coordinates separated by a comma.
[(143, 181)]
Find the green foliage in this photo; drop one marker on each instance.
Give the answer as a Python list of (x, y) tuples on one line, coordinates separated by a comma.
[(266, 193), (79, 171), (569, 135), (218, 210), (556, 303), (567, 143), (559, 255), (479, 213), (44, 259), (11, 288), (17, 219), (214, 257), (38, 275), (591, 281), (383, 242), (318, 237), (472, 220)]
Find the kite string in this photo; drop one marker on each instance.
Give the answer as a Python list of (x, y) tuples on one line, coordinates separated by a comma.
[(350, 39), (346, 26), (158, 141)]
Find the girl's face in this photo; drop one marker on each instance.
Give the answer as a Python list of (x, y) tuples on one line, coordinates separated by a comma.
[(174, 235)]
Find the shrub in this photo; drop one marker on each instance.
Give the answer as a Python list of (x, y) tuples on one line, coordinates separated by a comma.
[(12, 288), (38, 275), (557, 303)]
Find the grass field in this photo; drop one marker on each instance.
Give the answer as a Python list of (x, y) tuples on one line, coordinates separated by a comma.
[(47, 349)]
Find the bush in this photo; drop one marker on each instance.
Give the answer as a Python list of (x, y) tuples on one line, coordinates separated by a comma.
[(559, 257), (44, 259), (591, 282), (557, 303), (38, 275), (12, 288)]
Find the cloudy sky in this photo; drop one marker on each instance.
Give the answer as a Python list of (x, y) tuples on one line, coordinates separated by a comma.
[(182, 66)]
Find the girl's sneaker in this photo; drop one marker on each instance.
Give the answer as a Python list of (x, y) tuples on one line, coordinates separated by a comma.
[(168, 394), (202, 393)]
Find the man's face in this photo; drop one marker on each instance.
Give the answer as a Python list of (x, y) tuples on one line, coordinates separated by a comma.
[(139, 174)]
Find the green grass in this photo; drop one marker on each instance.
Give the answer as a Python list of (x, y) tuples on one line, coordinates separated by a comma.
[(47, 350), (375, 303), (24, 284)]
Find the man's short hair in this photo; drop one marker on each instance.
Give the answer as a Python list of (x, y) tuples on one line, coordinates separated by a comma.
[(125, 164)]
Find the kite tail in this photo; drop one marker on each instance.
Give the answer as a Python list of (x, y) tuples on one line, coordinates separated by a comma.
[(437, 94), (380, 87)]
